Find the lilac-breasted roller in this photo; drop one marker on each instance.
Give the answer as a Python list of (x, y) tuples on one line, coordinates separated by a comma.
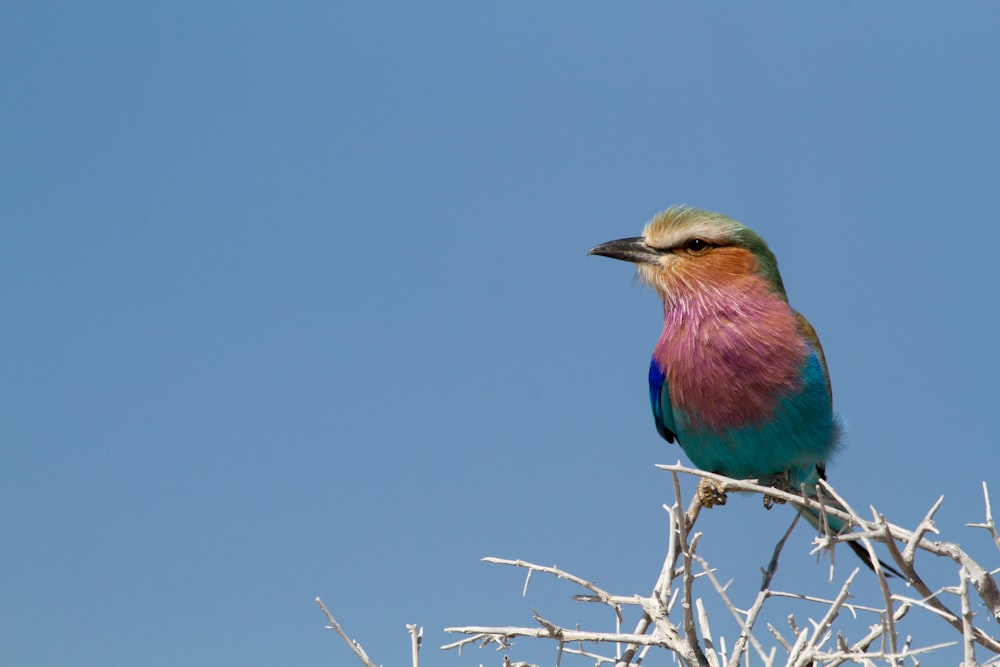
[(738, 377)]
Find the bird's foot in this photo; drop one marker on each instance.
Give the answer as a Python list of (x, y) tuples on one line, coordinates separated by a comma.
[(782, 483), (711, 493), (769, 501)]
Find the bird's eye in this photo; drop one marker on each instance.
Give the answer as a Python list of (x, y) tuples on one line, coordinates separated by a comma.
[(697, 246)]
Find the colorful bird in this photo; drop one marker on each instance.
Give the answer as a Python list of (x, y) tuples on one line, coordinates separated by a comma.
[(738, 378)]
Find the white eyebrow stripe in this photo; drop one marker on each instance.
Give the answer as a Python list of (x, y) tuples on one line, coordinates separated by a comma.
[(702, 229)]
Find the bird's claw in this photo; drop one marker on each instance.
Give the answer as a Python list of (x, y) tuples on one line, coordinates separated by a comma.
[(782, 484), (769, 501), (711, 493)]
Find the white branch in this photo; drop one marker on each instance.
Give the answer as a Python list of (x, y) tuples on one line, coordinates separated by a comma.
[(355, 646), (697, 638)]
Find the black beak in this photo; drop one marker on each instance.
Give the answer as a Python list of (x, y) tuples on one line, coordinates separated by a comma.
[(632, 250)]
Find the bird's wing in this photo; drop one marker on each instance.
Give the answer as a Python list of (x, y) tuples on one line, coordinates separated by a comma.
[(659, 398), (809, 334)]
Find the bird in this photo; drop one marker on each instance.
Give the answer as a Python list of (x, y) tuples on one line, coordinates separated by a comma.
[(738, 377)]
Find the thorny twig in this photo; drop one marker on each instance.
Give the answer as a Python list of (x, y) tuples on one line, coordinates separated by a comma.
[(820, 644)]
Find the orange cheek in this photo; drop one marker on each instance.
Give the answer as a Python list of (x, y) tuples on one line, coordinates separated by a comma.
[(729, 261), (716, 267)]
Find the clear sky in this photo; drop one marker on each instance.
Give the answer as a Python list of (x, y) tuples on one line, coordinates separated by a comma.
[(296, 302)]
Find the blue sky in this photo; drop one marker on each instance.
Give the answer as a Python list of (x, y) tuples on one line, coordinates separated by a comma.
[(297, 302)]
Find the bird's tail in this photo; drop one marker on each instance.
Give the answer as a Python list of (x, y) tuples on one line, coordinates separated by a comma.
[(835, 525)]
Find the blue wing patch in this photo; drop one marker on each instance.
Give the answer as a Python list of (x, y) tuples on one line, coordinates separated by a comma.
[(659, 399)]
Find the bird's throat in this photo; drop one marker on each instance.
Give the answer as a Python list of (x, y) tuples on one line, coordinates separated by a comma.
[(730, 357)]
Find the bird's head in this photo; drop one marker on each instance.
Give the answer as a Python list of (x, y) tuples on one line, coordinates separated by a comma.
[(686, 249)]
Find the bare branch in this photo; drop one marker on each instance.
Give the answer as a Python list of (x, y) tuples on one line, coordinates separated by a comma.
[(601, 594), (746, 620), (562, 634), (687, 550), (968, 636), (661, 590), (416, 639), (696, 637), (824, 625), (355, 646), (772, 567), (978, 576), (989, 525), (926, 526)]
